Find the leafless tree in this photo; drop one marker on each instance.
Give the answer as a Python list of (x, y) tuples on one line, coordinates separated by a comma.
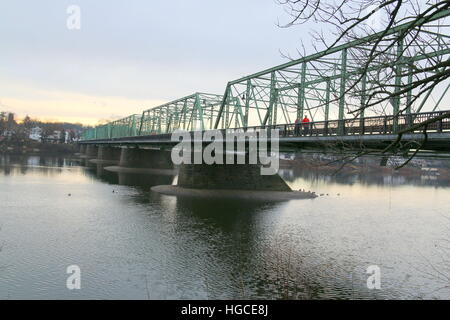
[(405, 58)]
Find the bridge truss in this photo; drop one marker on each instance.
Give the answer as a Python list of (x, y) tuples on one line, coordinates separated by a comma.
[(332, 84), (195, 112)]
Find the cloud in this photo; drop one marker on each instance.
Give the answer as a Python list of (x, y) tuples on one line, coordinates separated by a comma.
[(131, 55)]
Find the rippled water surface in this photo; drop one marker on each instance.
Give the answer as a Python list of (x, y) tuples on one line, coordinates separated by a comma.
[(131, 243)]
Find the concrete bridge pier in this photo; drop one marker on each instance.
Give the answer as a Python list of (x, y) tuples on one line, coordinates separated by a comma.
[(144, 161), (82, 149), (91, 151), (229, 177), (107, 156), (145, 158), (88, 152), (230, 181)]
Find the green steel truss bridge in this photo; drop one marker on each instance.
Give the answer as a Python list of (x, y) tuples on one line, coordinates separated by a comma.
[(327, 86)]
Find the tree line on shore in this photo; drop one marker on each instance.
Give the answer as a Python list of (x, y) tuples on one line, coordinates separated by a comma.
[(28, 130)]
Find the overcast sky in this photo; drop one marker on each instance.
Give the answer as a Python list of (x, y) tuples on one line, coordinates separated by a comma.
[(132, 55)]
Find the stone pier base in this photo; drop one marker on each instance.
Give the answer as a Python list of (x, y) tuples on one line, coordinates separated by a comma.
[(144, 161), (229, 177), (91, 151), (238, 182), (107, 156), (81, 150), (145, 158)]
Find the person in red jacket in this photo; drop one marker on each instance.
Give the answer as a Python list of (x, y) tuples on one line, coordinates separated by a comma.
[(305, 123)]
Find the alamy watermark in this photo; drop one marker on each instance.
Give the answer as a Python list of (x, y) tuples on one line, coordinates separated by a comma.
[(228, 147), (374, 279), (73, 21), (74, 280)]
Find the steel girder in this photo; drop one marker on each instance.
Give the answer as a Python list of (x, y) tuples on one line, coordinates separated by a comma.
[(316, 85), (332, 83), (194, 112), (126, 127)]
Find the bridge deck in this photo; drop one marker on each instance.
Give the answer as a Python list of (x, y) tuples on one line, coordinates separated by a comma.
[(374, 132)]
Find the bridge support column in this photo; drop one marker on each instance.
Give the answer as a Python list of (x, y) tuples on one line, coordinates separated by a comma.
[(82, 148), (229, 177), (91, 151), (232, 182), (145, 158), (144, 161), (107, 155)]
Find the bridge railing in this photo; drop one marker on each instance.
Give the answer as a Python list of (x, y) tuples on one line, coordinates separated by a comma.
[(360, 126)]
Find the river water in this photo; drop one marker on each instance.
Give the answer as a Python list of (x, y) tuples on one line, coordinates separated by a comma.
[(130, 243)]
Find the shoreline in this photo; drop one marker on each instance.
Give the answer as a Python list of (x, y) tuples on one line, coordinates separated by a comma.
[(41, 149)]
